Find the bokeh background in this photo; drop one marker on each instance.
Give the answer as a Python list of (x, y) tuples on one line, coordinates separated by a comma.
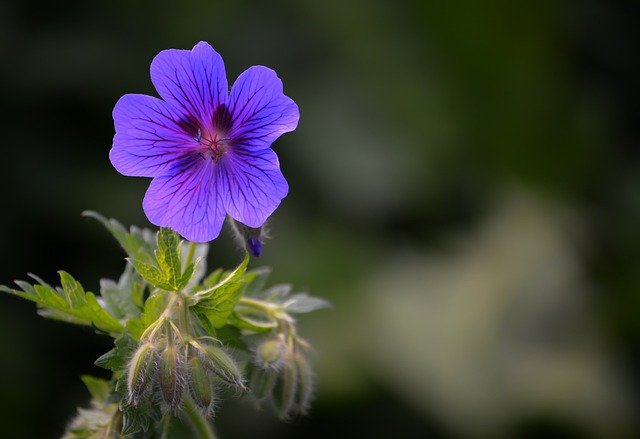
[(465, 189)]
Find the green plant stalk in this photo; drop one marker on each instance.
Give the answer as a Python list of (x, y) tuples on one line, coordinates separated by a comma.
[(201, 427)]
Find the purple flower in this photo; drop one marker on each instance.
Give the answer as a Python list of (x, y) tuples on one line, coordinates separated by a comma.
[(207, 149)]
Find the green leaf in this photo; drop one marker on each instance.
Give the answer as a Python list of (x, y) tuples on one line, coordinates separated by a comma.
[(136, 328), (256, 279), (251, 321), (213, 278), (218, 302), (154, 307), (194, 253), (69, 303), (118, 357), (98, 388), (168, 257), (123, 298), (151, 274), (138, 243), (231, 337), (302, 302), (227, 278)]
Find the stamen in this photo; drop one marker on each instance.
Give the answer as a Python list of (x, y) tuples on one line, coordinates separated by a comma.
[(197, 139)]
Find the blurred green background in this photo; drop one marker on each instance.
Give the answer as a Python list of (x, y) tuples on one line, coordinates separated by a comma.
[(465, 189)]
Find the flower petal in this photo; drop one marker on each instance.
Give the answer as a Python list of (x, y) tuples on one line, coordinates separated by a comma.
[(261, 112), (193, 81), (148, 137), (187, 200), (251, 185)]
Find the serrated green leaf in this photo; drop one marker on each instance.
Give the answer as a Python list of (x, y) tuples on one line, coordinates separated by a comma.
[(121, 298), (216, 303), (168, 257), (213, 278), (50, 298), (72, 289), (136, 328), (302, 303), (28, 295), (134, 421), (70, 304), (227, 278), (151, 274), (194, 253), (153, 308), (231, 337), (138, 243), (99, 388), (220, 304), (188, 273), (256, 279), (118, 357)]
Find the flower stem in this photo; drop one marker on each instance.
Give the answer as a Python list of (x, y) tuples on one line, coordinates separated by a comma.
[(201, 427), (190, 254), (261, 305)]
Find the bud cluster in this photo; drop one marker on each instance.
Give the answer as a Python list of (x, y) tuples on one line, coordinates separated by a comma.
[(281, 374), (181, 367)]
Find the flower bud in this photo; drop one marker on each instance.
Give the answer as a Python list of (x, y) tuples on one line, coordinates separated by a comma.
[(171, 380), (140, 373), (262, 382), (305, 382), (200, 384), (250, 238), (286, 390), (270, 353), (224, 366)]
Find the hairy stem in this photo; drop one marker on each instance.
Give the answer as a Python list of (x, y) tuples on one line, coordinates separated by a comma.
[(199, 423)]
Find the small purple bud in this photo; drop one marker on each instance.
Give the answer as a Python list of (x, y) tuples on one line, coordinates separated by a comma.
[(250, 238), (254, 245)]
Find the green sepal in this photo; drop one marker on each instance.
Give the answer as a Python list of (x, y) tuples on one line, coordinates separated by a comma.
[(69, 303)]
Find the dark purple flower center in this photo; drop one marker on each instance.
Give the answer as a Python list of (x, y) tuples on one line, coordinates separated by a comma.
[(213, 145), (212, 140)]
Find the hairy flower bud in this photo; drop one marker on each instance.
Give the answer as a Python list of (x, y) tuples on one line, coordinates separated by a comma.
[(224, 366), (262, 382), (171, 379), (140, 373), (250, 238), (200, 384), (286, 390), (270, 353), (305, 382)]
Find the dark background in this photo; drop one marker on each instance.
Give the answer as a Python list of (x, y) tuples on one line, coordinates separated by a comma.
[(465, 189)]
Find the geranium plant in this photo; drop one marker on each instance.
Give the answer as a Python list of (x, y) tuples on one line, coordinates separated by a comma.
[(184, 337)]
